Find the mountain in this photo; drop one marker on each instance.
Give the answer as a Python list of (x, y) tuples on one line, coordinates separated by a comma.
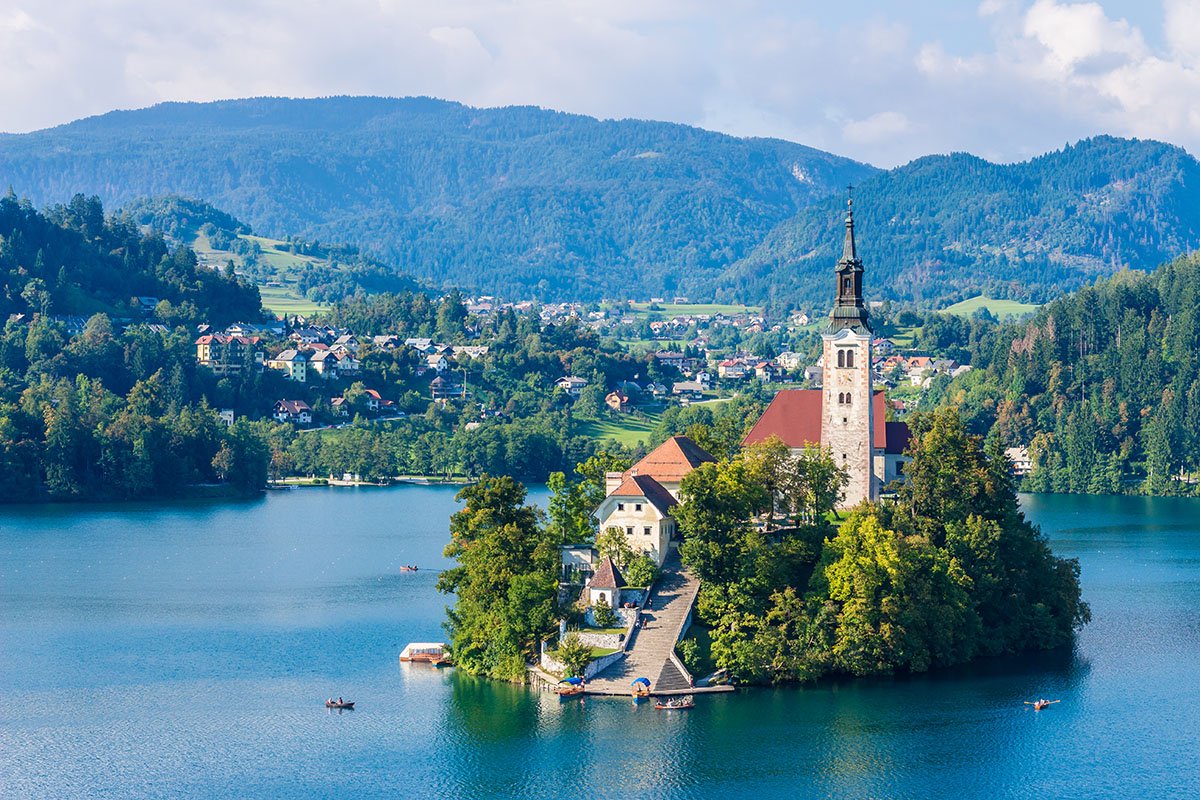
[(944, 228), (517, 200)]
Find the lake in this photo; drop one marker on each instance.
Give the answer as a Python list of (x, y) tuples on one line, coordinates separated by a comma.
[(186, 649)]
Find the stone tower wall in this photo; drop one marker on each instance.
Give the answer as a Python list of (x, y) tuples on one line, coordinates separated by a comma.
[(847, 423)]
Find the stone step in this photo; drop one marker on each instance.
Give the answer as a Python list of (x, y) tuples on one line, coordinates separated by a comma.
[(671, 679)]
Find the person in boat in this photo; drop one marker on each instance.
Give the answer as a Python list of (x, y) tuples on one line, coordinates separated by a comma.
[(339, 702)]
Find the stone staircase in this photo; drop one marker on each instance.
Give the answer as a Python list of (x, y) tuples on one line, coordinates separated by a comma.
[(649, 654)]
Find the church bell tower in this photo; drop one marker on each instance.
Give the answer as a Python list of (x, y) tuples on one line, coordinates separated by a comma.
[(847, 413)]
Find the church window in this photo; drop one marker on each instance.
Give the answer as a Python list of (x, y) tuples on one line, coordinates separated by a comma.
[(849, 358), (846, 284), (845, 421), (847, 398), (841, 358)]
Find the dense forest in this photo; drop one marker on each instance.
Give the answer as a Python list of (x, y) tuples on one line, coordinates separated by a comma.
[(520, 201), (1102, 386), (945, 228), (71, 260)]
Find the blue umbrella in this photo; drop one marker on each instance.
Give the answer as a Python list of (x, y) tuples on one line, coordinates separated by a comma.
[(572, 681), (636, 681)]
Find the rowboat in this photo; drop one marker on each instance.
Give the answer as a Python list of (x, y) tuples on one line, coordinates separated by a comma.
[(675, 705), (1040, 704), (408, 568), (343, 706), (569, 687)]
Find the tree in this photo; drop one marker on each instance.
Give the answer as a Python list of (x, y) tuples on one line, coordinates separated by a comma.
[(640, 571), (505, 580), (574, 654), (603, 614), (615, 545)]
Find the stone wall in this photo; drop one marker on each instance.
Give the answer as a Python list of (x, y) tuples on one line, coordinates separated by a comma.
[(611, 641)]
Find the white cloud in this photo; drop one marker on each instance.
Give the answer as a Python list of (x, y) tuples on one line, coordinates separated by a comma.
[(886, 83)]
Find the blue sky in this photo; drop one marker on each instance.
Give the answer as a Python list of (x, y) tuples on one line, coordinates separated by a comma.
[(883, 82)]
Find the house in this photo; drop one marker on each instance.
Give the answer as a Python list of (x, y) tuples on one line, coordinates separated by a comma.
[(347, 342), (789, 361), (226, 415), (813, 375), (639, 502), (606, 584), (766, 371), (145, 304), (571, 385), (225, 354), (883, 347), (347, 364), (687, 389), (325, 363), (294, 411), (656, 389), (1022, 464), (386, 342), (641, 509), (732, 369), (292, 363), (617, 401), (437, 362), (373, 399), (421, 345), (340, 407), (308, 335)]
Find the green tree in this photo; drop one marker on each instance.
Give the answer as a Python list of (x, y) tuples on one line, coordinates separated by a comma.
[(574, 654), (505, 580)]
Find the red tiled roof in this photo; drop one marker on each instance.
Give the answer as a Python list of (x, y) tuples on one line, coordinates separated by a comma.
[(607, 576), (795, 417), (647, 487), (671, 460)]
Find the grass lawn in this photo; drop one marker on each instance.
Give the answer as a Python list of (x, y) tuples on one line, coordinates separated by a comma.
[(688, 309), (279, 300), (628, 430), (651, 345), (998, 308)]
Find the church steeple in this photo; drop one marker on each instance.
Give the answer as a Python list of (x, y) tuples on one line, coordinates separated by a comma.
[(848, 309)]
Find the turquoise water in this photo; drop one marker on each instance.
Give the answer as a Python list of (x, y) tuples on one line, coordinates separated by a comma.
[(185, 650)]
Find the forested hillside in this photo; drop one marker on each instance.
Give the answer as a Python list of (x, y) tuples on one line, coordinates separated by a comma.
[(1103, 385), (70, 260), (945, 228), (520, 201)]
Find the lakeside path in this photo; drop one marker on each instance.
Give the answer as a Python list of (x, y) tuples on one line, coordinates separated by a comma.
[(650, 653)]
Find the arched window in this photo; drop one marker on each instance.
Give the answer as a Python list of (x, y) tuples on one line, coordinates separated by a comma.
[(602, 598), (849, 358), (847, 398), (846, 285), (841, 398), (841, 358)]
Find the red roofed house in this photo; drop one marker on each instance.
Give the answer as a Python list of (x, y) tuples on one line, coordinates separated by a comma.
[(640, 501), (606, 584), (846, 416)]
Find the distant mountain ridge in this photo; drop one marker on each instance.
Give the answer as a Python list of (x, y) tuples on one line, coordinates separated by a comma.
[(515, 200), (944, 228), (529, 202)]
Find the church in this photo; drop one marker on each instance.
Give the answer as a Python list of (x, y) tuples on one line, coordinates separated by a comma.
[(846, 416)]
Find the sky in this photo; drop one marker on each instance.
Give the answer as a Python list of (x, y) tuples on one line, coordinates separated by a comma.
[(882, 82)]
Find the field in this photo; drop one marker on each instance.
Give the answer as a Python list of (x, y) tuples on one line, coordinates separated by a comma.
[(998, 308), (637, 346), (629, 430), (280, 300), (282, 296)]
